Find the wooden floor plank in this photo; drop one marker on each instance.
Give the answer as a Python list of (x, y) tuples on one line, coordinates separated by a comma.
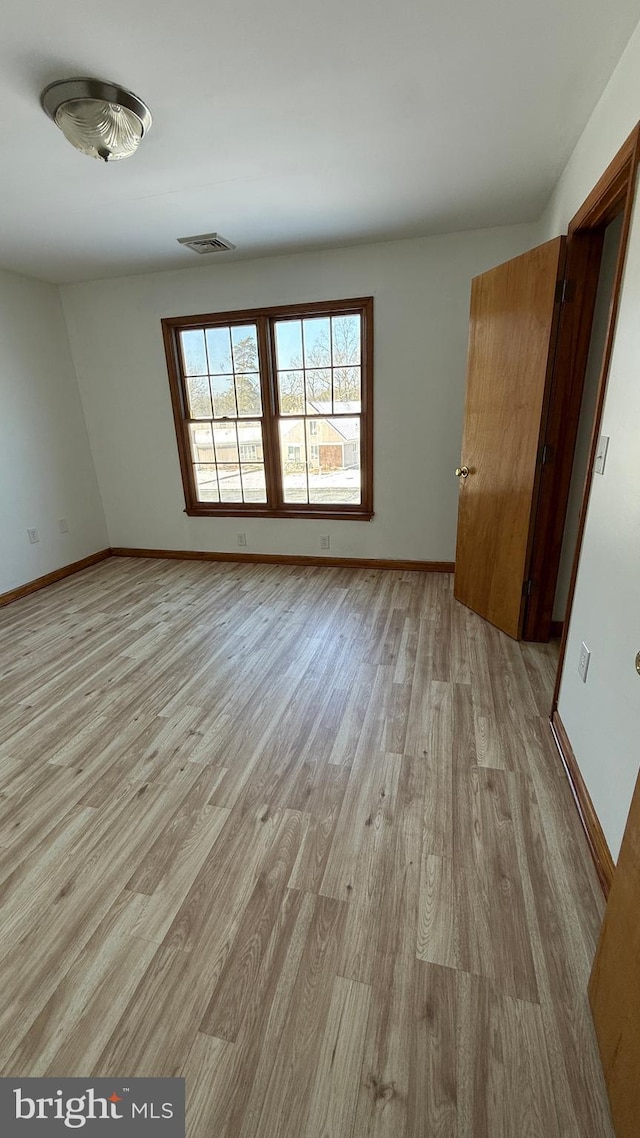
[(334, 1095), (437, 940), (227, 1007), (290, 1085), (385, 1087), (493, 935), (432, 1106), (500, 1091)]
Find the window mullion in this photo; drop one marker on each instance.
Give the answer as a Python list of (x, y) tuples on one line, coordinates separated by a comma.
[(269, 420)]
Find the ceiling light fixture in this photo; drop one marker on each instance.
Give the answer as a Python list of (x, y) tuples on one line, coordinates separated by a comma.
[(101, 119)]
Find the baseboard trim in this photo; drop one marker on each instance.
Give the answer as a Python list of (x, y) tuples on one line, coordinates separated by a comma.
[(557, 628), (600, 852), (288, 559), (51, 578)]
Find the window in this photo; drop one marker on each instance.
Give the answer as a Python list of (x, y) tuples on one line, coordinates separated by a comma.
[(251, 389)]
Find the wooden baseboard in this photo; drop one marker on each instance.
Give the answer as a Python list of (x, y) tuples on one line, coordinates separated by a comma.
[(51, 578), (196, 555), (289, 559), (600, 852), (557, 628)]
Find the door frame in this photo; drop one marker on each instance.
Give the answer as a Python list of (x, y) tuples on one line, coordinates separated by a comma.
[(612, 195)]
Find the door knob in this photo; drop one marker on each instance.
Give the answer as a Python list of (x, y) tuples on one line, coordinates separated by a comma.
[(462, 471)]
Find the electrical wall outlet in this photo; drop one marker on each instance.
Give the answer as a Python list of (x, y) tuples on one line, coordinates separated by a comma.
[(583, 662), (325, 542), (32, 534), (242, 539), (63, 525)]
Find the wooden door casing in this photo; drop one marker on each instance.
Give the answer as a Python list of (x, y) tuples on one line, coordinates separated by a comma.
[(614, 988), (513, 323)]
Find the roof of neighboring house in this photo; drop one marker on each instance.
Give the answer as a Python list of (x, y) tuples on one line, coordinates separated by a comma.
[(226, 436), (348, 428)]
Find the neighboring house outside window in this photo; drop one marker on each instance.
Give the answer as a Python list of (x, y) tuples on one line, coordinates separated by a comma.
[(251, 389)]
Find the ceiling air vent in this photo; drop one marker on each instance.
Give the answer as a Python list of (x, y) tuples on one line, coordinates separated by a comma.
[(206, 243)]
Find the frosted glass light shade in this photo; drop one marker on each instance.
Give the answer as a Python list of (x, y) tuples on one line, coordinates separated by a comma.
[(98, 118), (101, 130)]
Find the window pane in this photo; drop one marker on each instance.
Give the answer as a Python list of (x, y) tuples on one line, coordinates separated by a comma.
[(248, 394), (253, 482), (334, 462), (226, 443), (346, 334), (291, 392), (193, 352), (206, 483), (245, 348), (318, 390), (224, 398), (288, 344), (219, 349), (317, 347), (199, 398), (250, 440), (201, 442), (293, 461), (346, 389), (230, 483)]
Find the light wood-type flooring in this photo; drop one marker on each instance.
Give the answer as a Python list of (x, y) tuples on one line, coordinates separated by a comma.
[(301, 836)]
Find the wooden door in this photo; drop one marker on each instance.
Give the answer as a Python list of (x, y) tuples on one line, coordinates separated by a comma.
[(512, 331), (614, 988)]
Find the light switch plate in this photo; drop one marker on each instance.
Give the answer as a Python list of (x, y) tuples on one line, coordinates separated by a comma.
[(601, 454), (583, 662)]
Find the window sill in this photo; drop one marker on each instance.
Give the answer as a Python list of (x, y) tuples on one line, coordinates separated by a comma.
[(357, 515)]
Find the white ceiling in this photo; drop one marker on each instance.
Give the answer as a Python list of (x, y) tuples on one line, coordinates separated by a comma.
[(290, 124)]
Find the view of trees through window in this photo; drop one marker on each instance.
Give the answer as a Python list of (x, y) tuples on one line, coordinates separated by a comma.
[(318, 359)]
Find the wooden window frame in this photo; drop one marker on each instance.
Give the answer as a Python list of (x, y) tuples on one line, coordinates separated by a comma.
[(264, 320)]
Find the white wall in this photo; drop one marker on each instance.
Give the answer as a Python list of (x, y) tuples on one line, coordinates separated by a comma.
[(421, 289), (46, 470), (602, 717)]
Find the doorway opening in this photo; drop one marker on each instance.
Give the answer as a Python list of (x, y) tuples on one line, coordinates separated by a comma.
[(604, 296), (596, 249)]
